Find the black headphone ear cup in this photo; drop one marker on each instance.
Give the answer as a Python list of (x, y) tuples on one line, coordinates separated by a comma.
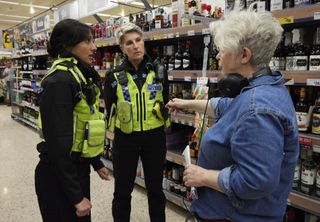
[(232, 84)]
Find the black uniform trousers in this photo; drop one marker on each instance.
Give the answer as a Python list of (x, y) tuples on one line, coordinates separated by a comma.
[(53, 203), (151, 147)]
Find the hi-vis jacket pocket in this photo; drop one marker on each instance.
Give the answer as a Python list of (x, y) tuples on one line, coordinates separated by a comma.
[(124, 114), (96, 132)]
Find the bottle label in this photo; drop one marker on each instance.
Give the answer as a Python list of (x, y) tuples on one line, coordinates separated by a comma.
[(282, 63), (301, 2), (318, 179), (297, 172), (314, 64), (302, 119), (289, 63), (175, 174), (300, 63), (275, 63), (316, 123), (308, 176), (171, 66), (177, 63), (276, 5), (186, 63)]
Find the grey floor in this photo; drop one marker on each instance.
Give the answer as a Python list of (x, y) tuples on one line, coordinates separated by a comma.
[(18, 158)]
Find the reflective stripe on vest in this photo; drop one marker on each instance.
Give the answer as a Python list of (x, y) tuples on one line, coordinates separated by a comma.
[(142, 102), (88, 122)]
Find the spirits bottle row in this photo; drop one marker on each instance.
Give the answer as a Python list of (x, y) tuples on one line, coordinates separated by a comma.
[(294, 54), (30, 114), (34, 63), (269, 5), (307, 171), (296, 215), (106, 60), (180, 57)]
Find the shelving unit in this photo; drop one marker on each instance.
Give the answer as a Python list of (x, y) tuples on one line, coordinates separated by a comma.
[(24, 120)]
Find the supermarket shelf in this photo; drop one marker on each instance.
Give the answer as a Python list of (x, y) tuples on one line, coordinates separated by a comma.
[(171, 33), (26, 104), (42, 52), (176, 157), (24, 120), (299, 77), (28, 89), (304, 202), (192, 75), (299, 14), (17, 104), (26, 72), (39, 71), (22, 56)]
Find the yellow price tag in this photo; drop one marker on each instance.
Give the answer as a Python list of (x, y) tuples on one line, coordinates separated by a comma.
[(286, 20), (6, 40)]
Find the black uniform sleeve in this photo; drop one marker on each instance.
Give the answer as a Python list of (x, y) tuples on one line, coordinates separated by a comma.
[(56, 106), (165, 92), (110, 93)]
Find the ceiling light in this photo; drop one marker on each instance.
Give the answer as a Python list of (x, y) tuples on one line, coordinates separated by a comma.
[(31, 10), (35, 6), (15, 16), (101, 14), (9, 20), (122, 13), (141, 4), (11, 3)]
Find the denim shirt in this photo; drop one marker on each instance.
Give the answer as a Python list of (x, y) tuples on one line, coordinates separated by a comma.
[(255, 146)]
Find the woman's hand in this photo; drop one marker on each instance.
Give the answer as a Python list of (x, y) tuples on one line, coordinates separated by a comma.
[(194, 176), (83, 207), (104, 173), (175, 105)]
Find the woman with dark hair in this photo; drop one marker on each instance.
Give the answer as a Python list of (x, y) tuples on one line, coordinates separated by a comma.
[(72, 126)]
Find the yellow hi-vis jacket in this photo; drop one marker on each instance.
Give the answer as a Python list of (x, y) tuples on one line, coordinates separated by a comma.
[(88, 122), (134, 107)]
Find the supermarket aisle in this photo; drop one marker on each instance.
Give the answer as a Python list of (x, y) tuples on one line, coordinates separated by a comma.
[(18, 158)]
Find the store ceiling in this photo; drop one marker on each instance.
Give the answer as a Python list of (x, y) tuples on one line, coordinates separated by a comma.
[(13, 12)]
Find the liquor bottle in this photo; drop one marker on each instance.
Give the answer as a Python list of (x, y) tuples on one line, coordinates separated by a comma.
[(263, 5), (318, 181), (212, 60), (158, 53), (186, 61), (314, 59), (302, 111), (296, 178), (308, 174), (298, 3), (289, 4), (159, 18), (278, 61), (146, 25), (131, 18), (137, 22), (288, 51), (300, 58), (30, 63), (316, 117), (142, 20), (178, 58), (171, 63), (276, 5)]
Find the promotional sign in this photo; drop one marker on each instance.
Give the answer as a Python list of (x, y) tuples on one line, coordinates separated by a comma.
[(41, 24), (92, 7), (7, 39), (69, 10)]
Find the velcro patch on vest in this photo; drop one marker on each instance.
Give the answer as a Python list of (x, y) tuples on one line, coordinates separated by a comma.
[(154, 87)]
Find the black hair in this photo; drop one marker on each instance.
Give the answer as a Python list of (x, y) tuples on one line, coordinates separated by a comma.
[(66, 34)]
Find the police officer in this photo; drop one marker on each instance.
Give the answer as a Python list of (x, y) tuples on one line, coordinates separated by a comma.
[(73, 128), (135, 93)]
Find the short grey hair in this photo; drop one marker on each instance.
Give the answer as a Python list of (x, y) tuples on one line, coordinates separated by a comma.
[(258, 31), (124, 29)]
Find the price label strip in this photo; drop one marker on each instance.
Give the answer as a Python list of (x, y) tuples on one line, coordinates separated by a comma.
[(313, 82), (286, 20)]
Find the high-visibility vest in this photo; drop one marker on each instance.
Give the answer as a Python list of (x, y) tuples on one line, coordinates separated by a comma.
[(141, 101), (88, 122)]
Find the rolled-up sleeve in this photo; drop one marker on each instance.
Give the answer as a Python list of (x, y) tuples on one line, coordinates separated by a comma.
[(257, 149), (219, 105)]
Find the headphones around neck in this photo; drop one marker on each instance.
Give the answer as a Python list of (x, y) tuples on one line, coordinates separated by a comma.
[(232, 84)]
